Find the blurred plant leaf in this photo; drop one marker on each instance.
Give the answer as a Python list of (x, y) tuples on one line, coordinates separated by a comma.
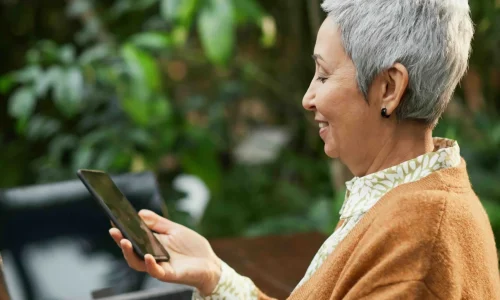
[(201, 161), (105, 159), (95, 53), (69, 92), (49, 50), (268, 25), (28, 75), (50, 78), (60, 144), (143, 71), (248, 10), (78, 7), (321, 215), (178, 10), (160, 110), (6, 83), (137, 110), (151, 40), (33, 56), (169, 9), (67, 54), (22, 103), (217, 31), (140, 137), (122, 7), (82, 157), (40, 127), (97, 136)]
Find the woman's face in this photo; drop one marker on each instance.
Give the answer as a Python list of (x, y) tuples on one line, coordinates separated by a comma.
[(348, 125)]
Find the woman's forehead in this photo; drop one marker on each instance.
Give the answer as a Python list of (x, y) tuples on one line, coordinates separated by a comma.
[(329, 43)]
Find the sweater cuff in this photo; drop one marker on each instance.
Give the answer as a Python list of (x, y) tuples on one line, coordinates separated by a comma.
[(231, 286)]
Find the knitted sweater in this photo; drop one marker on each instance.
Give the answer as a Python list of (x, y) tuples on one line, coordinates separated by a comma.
[(429, 239)]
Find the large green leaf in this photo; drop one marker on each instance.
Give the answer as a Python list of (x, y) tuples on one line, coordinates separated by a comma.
[(143, 71), (216, 27), (22, 103), (143, 87)]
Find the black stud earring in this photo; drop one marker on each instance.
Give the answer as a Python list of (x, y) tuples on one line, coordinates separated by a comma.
[(384, 113)]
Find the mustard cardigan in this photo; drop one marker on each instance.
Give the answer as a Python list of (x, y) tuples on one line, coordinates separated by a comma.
[(430, 239)]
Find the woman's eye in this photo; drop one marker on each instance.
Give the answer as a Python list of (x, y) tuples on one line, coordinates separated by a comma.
[(322, 79)]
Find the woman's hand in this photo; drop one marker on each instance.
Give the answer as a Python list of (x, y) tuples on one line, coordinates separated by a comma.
[(192, 260)]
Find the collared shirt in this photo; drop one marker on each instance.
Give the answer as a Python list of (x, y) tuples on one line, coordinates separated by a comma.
[(361, 195)]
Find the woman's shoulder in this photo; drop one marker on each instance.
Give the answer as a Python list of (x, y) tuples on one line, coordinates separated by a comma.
[(448, 214), (433, 205), (444, 193)]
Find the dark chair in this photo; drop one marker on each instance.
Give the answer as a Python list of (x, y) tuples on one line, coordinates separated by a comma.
[(36, 218)]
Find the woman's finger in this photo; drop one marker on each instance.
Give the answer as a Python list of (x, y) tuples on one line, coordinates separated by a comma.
[(156, 222), (154, 269), (133, 261), (116, 235)]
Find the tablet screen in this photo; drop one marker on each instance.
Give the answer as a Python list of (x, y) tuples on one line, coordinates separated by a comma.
[(125, 216)]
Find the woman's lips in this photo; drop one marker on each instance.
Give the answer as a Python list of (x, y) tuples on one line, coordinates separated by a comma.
[(323, 130)]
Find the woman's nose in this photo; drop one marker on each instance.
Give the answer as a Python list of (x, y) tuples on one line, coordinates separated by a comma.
[(308, 100)]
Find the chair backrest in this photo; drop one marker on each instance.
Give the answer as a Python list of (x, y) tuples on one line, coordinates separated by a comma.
[(55, 243)]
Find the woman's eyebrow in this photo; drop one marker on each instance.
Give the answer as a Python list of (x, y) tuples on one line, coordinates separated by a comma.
[(317, 57), (324, 64)]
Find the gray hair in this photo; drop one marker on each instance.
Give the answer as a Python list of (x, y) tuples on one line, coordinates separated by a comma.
[(431, 38)]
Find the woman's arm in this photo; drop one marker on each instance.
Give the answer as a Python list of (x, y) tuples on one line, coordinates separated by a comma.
[(192, 262), (233, 286)]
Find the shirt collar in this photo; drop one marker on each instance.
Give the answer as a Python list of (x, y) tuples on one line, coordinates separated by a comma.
[(363, 192)]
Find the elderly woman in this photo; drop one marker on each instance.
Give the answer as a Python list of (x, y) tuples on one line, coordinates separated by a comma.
[(411, 225)]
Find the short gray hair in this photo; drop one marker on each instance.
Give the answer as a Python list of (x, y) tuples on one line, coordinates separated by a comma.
[(431, 38)]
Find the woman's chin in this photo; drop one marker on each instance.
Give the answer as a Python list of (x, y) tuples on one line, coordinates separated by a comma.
[(331, 151)]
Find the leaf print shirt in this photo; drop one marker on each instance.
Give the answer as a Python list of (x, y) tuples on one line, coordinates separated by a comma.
[(361, 195)]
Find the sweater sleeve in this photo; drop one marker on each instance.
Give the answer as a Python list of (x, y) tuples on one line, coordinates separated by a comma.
[(233, 286), (412, 289)]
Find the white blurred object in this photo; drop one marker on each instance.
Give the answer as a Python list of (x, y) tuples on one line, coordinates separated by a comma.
[(197, 195), (262, 145)]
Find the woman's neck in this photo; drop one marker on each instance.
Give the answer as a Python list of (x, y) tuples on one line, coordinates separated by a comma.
[(407, 140)]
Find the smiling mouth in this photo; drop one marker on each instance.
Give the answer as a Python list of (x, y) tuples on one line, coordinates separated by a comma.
[(322, 125)]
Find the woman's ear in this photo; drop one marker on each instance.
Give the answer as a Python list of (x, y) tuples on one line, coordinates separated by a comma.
[(395, 83)]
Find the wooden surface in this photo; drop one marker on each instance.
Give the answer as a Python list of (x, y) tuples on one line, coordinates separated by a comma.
[(276, 264)]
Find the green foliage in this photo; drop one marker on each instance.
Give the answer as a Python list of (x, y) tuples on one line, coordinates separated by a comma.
[(216, 29), (175, 85)]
